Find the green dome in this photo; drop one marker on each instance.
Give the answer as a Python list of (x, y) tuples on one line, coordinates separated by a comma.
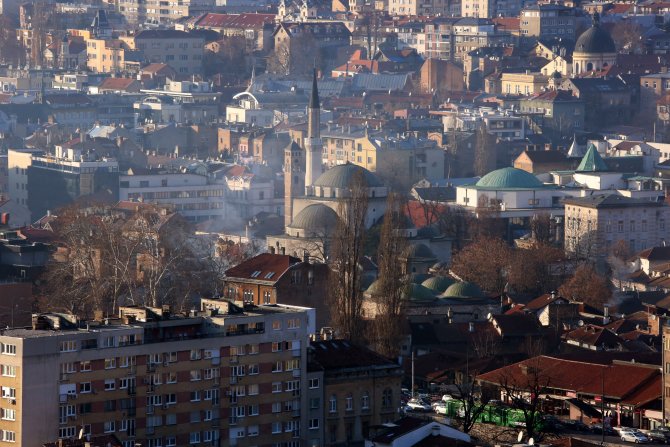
[(417, 278), (438, 284), (463, 290), (341, 176), (509, 178), (417, 292), (419, 251), (315, 219), (374, 287)]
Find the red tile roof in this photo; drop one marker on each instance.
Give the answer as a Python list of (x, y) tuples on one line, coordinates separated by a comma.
[(594, 336), (243, 21), (628, 382), (116, 83), (542, 301), (264, 267)]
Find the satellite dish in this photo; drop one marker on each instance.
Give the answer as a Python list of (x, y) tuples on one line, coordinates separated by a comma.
[(520, 437), (531, 441), (580, 323)]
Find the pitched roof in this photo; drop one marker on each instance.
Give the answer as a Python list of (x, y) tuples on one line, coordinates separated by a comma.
[(628, 382), (609, 201), (655, 254), (242, 21), (592, 161), (265, 267), (517, 324), (116, 83), (343, 354), (594, 336), (552, 156), (543, 301), (165, 34)]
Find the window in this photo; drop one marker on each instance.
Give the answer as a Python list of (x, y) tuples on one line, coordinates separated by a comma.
[(314, 403), (110, 363), (332, 404), (276, 325), (314, 424), (85, 366), (276, 387), (276, 427), (349, 403), (387, 398), (313, 383), (253, 410), (85, 387), (276, 407), (195, 396), (253, 389), (253, 369), (365, 401), (276, 346), (277, 366), (66, 346), (10, 371), (252, 430), (110, 384), (10, 415), (196, 354), (10, 436), (194, 437), (195, 375), (292, 364), (110, 427)]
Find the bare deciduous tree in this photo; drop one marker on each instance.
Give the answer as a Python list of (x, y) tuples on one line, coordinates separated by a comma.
[(345, 295), (392, 282)]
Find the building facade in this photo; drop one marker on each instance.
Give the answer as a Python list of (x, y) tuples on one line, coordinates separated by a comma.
[(224, 376)]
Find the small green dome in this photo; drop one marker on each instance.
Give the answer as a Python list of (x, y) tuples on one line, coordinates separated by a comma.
[(438, 284), (509, 178), (417, 292), (417, 278), (419, 251), (463, 289), (374, 287)]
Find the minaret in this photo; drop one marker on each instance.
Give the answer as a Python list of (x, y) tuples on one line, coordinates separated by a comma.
[(313, 143)]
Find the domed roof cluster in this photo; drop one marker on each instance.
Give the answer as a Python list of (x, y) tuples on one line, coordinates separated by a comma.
[(595, 40), (417, 292), (315, 218), (509, 178), (463, 289), (418, 251), (341, 177), (438, 284)]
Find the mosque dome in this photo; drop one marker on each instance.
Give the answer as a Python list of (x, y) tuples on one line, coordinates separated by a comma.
[(463, 289), (438, 284), (509, 178), (341, 176), (315, 218), (417, 292)]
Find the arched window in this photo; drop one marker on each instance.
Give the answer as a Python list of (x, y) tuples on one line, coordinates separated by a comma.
[(332, 404), (576, 68), (589, 66)]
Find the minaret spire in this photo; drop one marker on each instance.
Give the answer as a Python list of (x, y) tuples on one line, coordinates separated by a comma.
[(313, 143)]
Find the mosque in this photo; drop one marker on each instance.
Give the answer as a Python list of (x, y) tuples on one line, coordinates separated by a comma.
[(312, 197)]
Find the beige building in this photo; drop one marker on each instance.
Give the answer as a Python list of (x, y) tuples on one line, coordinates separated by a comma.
[(594, 224), (222, 376), (180, 50), (419, 8), (547, 21), (523, 83), (105, 56)]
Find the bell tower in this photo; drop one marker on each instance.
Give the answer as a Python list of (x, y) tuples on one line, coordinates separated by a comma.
[(313, 143)]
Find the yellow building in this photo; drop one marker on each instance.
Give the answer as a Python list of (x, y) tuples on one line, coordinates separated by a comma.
[(523, 83), (105, 56)]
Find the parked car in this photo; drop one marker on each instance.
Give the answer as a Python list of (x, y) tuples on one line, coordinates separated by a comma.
[(440, 408), (662, 436), (633, 436), (574, 424), (598, 429), (417, 404)]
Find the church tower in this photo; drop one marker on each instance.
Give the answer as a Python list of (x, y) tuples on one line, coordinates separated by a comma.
[(313, 143)]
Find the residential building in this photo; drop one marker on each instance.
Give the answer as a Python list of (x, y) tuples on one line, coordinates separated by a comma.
[(594, 224), (523, 83), (255, 28), (539, 162), (18, 162), (471, 33), (271, 278), (548, 21), (48, 181), (226, 374), (290, 38), (106, 55), (419, 8), (360, 390), (489, 9), (555, 112), (181, 50), (606, 101), (160, 12), (439, 38)]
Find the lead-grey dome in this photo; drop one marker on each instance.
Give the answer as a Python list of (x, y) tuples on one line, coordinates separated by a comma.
[(316, 218), (595, 40), (341, 176)]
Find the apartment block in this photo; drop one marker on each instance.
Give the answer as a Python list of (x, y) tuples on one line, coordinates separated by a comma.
[(226, 375), (547, 21), (180, 50)]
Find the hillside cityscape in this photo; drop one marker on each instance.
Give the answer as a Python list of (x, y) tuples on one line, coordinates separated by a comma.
[(334, 223)]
